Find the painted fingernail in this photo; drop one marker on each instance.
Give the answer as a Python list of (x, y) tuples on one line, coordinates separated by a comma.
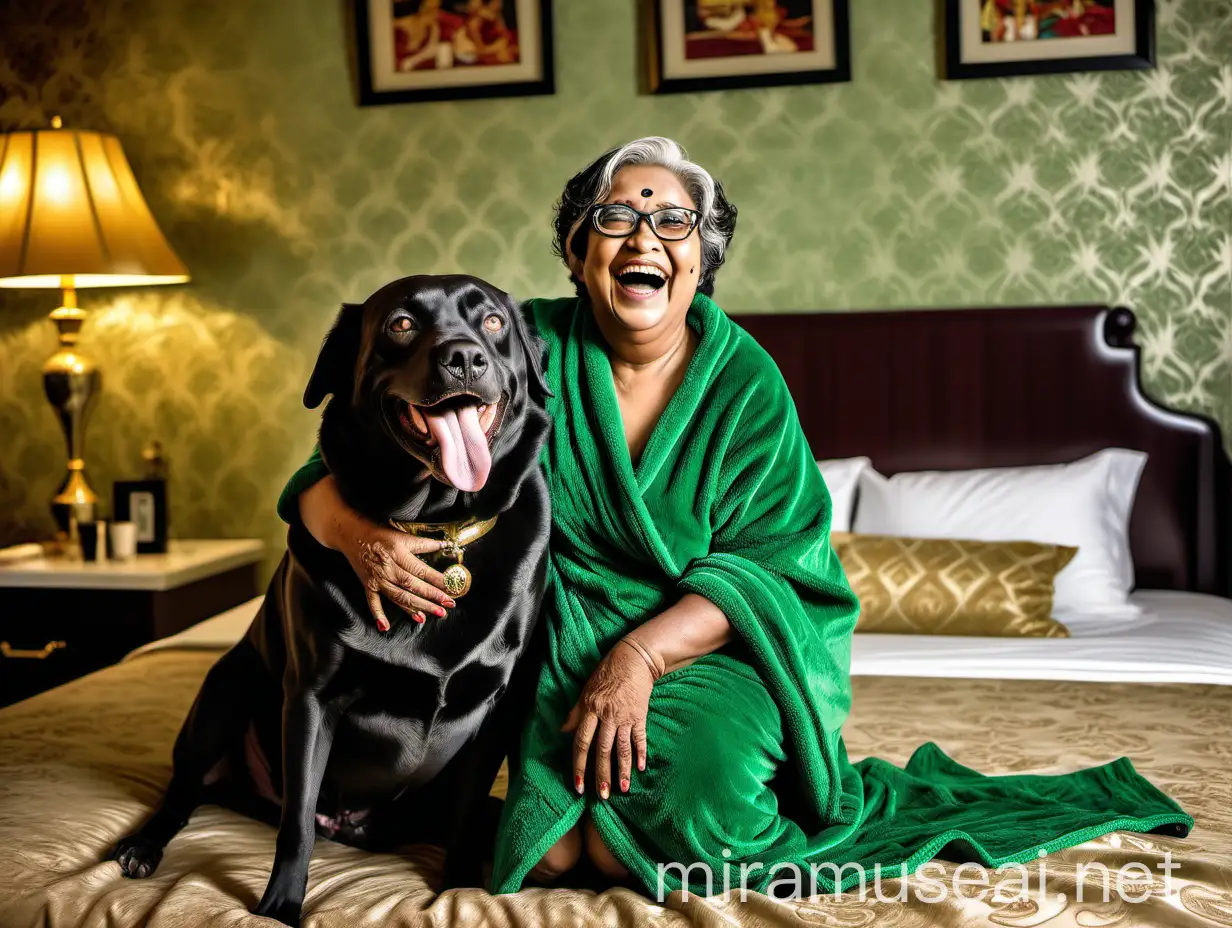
[(448, 603), (419, 617), (603, 789), (624, 786), (578, 783), (439, 611), (383, 625)]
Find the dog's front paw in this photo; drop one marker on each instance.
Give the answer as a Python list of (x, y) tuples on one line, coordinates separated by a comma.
[(137, 856), (280, 906)]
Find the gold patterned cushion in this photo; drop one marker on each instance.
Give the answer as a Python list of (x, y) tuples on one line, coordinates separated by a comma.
[(941, 586)]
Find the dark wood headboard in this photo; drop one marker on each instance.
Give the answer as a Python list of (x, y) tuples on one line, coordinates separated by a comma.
[(953, 389)]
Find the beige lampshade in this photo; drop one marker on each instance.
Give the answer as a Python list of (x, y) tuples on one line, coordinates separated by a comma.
[(72, 215)]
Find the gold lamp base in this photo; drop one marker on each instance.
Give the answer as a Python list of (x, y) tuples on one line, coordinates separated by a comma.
[(71, 383), (72, 214)]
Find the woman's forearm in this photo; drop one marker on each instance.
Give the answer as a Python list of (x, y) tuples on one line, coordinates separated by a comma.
[(693, 627), (386, 561), (324, 512)]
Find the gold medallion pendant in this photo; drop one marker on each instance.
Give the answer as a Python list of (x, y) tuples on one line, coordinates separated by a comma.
[(457, 580), (456, 536)]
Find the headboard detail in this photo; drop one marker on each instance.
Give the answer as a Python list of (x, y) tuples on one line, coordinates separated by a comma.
[(950, 389)]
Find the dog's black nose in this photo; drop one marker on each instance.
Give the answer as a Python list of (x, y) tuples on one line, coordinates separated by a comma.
[(460, 360)]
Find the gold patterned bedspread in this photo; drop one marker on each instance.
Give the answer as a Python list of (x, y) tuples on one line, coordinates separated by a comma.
[(82, 765)]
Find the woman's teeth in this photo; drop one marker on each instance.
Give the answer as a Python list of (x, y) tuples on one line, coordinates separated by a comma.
[(642, 279), (644, 269)]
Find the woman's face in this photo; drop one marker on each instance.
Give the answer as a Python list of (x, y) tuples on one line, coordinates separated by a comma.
[(627, 302)]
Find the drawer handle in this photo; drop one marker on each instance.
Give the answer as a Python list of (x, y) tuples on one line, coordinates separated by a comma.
[(30, 654)]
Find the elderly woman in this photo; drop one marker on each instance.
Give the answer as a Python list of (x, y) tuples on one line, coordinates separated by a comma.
[(699, 625)]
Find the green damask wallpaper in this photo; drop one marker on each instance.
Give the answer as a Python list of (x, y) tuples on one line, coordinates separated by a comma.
[(285, 199)]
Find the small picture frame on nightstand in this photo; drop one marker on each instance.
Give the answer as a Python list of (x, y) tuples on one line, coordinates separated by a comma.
[(143, 502)]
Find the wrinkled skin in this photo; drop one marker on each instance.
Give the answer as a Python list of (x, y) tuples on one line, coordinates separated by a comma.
[(614, 703)]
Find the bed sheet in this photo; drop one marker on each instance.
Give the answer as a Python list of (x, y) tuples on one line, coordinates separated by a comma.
[(1178, 638), (83, 764)]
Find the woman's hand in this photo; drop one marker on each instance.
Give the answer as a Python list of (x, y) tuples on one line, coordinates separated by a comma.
[(616, 698), (384, 559), (614, 701)]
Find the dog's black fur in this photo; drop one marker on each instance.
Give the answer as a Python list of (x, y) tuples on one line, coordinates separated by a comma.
[(408, 726)]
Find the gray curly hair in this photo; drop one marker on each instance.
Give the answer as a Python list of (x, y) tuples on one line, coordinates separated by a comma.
[(594, 183)]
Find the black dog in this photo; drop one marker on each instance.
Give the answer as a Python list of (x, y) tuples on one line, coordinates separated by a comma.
[(387, 738)]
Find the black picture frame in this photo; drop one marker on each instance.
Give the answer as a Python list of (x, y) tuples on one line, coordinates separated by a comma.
[(653, 54), (1142, 58), (369, 94)]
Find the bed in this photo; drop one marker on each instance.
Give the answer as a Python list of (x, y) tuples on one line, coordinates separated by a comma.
[(929, 389)]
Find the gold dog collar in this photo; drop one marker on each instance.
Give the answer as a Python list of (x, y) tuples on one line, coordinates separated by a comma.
[(457, 536)]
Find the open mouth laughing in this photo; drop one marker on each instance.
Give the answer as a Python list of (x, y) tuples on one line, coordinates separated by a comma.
[(454, 433), (641, 280)]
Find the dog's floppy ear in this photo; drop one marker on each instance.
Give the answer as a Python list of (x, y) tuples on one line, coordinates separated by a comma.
[(532, 347), (335, 369)]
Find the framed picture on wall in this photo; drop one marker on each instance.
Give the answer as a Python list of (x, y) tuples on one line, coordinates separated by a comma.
[(728, 44), (412, 51), (1002, 38)]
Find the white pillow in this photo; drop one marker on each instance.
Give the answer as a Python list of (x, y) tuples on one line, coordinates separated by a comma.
[(842, 476), (1086, 504)]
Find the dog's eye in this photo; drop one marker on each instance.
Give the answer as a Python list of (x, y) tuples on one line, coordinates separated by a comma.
[(401, 325), (494, 323)]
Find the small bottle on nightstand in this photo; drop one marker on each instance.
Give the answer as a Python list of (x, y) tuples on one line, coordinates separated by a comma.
[(156, 476), (144, 502)]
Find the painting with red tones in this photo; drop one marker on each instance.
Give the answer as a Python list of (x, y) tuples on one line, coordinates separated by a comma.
[(723, 28), (1005, 38), (729, 44), (432, 34), (419, 50), (1029, 20)]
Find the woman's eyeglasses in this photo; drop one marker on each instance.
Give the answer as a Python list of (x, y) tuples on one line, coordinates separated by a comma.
[(671, 224)]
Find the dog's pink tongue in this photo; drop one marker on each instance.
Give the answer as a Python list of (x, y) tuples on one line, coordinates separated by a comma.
[(465, 456)]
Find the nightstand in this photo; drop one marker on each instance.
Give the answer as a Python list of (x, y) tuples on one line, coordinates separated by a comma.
[(60, 619)]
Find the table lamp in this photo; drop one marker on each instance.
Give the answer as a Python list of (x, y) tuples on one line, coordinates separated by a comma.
[(72, 216)]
